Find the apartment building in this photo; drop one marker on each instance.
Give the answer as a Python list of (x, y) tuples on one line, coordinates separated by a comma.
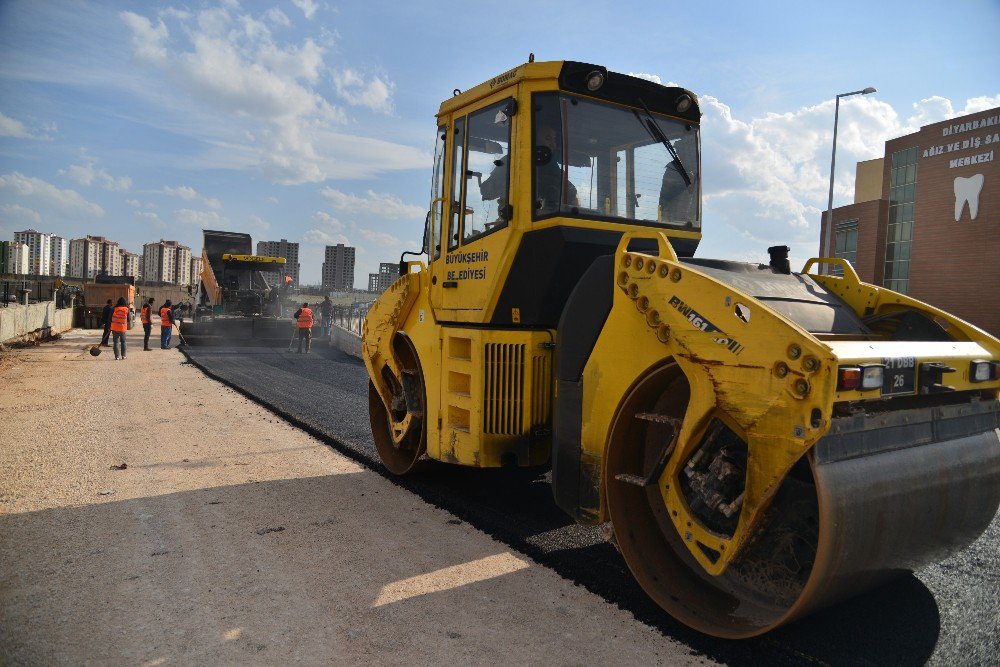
[(338, 268), (166, 262), (39, 250), (92, 255), (387, 275), (14, 257), (58, 256), (131, 263), (195, 269), (282, 248)]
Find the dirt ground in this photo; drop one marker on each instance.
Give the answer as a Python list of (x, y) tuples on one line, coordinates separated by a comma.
[(232, 537)]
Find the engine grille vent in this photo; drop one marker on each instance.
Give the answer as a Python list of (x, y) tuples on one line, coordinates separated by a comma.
[(504, 392)]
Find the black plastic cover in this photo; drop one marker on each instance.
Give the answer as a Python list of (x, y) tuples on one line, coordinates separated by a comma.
[(796, 296)]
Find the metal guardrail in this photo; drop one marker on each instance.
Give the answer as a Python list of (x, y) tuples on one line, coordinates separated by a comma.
[(352, 317), (12, 291)]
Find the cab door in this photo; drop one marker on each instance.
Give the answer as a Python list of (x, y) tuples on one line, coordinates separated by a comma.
[(479, 211)]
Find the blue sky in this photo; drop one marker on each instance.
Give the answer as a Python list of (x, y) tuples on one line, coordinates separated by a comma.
[(313, 120)]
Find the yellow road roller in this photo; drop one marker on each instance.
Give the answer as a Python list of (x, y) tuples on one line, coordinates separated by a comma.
[(763, 442)]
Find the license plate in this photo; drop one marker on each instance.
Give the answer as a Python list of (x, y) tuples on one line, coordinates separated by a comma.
[(900, 376)]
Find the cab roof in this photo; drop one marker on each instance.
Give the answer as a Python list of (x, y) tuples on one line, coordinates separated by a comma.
[(571, 76)]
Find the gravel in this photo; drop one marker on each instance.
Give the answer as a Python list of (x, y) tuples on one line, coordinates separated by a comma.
[(232, 537)]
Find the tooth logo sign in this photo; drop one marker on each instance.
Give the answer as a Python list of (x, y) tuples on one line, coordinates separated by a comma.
[(967, 190)]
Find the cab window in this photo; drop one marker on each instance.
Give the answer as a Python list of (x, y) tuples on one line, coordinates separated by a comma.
[(458, 168), (487, 170), (437, 195), (599, 160)]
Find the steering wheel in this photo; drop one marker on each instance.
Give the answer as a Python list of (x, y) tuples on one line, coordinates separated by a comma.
[(543, 154)]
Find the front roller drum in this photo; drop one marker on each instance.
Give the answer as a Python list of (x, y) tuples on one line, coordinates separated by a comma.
[(409, 396), (838, 525)]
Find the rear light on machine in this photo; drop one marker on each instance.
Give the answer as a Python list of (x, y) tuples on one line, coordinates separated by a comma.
[(983, 371), (860, 378)]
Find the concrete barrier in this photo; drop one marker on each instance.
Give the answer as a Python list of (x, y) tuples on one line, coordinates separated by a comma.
[(346, 341), (37, 320)]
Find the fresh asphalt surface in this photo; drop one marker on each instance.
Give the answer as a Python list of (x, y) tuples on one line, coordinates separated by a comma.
[(947, 613)]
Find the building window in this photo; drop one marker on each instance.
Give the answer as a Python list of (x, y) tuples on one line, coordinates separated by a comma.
[(899, 236), (845, 243)]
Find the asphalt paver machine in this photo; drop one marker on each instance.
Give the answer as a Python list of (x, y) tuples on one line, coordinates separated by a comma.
[(237, 305), (762, 441)]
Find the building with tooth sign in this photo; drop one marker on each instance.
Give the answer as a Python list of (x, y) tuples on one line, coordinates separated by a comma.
[(926, 218)]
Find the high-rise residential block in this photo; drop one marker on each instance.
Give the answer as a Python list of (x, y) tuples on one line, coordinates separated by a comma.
[(282, 248), (338, 268), (14, 258), (195, 269), (39, 250), (93, 255), (58, 256), (130, 263), (166, 262), (387, 275)]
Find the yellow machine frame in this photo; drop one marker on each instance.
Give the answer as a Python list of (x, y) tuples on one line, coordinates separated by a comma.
[(489, 390)]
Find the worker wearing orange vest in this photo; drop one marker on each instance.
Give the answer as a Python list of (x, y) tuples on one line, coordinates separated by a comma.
[(146, 317), (166, 324), (119, 324), (304, 320)]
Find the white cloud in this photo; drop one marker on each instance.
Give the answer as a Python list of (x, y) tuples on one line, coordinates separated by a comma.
[(148, 41), (203, 219), (88, 174), (320, 237), (185, 192), (375, 94), (10, 127), (227, 64), (327, 221), (277, 17), (259, 224), (381, 238), (134, 203), (383, 205), (649, 77), (272, 200), (152, 218), (68, 201), (308, 7), (16, 212)]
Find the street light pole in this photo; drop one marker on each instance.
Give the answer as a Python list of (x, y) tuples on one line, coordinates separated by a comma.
[(827, 245)]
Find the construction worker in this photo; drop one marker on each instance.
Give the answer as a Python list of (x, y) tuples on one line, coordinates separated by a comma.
[(146, 317), (326, 311), (106, 321), (119, 325), (166, 325), (304, 319)]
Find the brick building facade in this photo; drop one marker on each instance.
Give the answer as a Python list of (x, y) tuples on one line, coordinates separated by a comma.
[(934, 230)]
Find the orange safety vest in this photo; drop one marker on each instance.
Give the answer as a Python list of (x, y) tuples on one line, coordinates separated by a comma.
[(165, 320), (119, 318), (306, 318), (145, 314)]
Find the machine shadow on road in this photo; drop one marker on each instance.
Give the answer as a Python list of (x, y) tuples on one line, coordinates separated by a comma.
[(898, 623), (323, 568)]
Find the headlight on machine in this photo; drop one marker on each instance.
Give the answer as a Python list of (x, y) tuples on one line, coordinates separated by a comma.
[(860, 378), (982, 371)]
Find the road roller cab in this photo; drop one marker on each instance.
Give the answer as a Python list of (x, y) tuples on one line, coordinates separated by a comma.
[(762, 441)]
